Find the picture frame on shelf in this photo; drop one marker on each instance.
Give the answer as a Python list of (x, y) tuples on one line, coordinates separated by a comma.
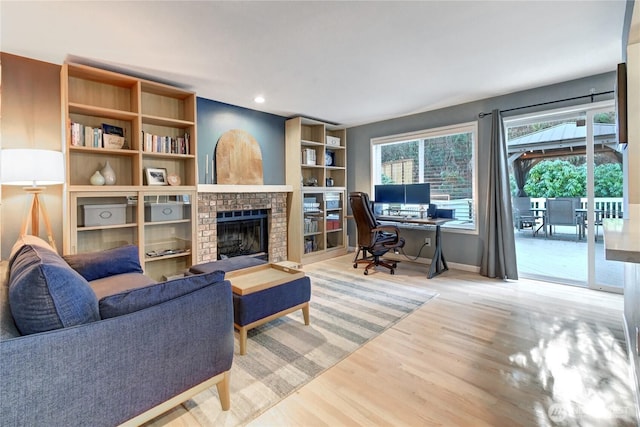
[(156, 176)]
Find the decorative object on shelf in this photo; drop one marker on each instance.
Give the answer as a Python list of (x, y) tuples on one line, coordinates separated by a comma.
[(329, 158), (112, 137), (311, 181), (33, 168), (108, 173), (329, 182), (113, 142), (97, 179), (173, 179), (238, 159), (206, 169), (156, 176)]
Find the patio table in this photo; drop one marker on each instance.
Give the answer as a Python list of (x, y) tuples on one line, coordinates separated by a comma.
[(536, 212)]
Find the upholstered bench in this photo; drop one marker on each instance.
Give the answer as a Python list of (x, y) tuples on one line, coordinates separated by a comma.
[(261, 292), (226, 265)]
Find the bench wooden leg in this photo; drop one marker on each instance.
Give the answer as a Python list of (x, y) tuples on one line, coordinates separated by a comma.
[(305, 314), (243, 340), (224, 392)]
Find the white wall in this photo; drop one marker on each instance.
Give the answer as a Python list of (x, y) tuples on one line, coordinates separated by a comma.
[(633, 106)]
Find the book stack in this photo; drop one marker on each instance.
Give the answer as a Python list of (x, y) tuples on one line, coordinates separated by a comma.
[(308, 156), (106, 136), (165, 144)]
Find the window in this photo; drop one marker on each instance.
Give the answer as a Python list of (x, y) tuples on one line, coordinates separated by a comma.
[(443, 157)]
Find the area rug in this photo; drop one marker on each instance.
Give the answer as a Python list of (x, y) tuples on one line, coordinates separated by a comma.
[(347, 310)]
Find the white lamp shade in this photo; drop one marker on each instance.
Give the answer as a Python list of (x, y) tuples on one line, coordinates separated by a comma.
[(24, 166)]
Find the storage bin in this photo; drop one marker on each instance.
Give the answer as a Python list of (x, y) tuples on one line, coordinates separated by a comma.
[(99, 215), (333, 141), (154, 212)]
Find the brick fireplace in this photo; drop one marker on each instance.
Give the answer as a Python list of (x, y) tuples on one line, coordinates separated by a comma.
[(228, 199)]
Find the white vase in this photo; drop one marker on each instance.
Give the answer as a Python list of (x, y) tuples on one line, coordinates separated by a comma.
[(97, 179), (109, 174)]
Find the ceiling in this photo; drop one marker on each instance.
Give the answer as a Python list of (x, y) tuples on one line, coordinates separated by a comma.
[(350, 62)]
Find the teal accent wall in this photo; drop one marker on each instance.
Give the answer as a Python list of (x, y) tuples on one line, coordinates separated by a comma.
[(215, 118), (461, 248)]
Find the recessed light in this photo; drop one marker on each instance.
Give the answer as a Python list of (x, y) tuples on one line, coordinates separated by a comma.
[(259, 99)]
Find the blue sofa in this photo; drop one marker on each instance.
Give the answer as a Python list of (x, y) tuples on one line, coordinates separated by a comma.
[(100, 344)]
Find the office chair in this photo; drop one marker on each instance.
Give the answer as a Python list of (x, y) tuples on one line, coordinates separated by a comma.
[(372, 237)]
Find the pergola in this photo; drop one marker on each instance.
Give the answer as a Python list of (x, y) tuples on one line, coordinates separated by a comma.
[(566, 139)]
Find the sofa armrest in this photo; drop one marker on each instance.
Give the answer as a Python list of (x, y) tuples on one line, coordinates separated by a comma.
[(106, 372)]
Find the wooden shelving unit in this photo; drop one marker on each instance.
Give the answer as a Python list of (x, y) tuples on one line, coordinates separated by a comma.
[(317, 224), (91, 97)]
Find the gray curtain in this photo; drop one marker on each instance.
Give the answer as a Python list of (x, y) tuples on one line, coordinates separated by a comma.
[(499, 248)]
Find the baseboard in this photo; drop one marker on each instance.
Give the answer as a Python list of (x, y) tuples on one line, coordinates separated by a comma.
[(427, 261)]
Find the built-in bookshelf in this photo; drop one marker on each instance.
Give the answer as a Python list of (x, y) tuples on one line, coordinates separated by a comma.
[(141, 129), (316, 168)]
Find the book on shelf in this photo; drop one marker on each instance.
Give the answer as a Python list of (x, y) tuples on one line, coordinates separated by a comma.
[(97, 138), (88, 136), (75, 135)]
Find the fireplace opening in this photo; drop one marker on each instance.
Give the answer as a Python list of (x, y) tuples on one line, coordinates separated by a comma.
[(243, 233)]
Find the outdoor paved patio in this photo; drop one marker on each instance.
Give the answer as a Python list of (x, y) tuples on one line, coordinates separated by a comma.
[(563, 259)]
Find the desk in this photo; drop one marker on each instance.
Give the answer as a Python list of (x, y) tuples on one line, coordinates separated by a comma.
[(438, 263)]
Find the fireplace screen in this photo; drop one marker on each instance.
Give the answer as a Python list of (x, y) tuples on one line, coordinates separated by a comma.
[(243, 233)]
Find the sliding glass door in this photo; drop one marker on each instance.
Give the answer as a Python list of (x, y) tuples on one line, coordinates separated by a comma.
[(605, 183), (566, 167)]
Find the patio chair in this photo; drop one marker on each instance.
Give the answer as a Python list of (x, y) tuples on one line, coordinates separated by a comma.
[(562, 211), (523, 216)]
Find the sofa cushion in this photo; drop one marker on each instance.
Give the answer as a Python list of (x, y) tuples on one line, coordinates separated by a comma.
[(96, 265), (45, 294), (141, 298)]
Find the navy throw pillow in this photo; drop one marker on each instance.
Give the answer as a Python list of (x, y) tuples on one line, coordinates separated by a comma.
[(141, 298), (45, 294), (96, 265)]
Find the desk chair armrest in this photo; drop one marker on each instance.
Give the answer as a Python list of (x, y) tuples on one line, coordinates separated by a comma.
[(389, 233), (387, 229)]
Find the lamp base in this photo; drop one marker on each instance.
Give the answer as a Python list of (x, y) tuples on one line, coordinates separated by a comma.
[(34, 214)]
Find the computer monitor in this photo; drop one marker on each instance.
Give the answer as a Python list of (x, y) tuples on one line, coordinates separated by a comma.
[(393, 193), (417, 194)]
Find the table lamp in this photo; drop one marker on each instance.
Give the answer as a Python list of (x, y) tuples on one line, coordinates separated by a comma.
[(33, 168)]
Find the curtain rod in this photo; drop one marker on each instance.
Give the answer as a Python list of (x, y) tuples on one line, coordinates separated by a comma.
[(481, 115)]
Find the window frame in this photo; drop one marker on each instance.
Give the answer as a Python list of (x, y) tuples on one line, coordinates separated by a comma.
[(467, 127)]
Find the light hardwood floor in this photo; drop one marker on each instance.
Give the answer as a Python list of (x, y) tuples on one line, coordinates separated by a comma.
[(483, 353)]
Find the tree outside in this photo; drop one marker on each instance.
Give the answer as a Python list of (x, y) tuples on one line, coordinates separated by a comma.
[(561, 178)]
